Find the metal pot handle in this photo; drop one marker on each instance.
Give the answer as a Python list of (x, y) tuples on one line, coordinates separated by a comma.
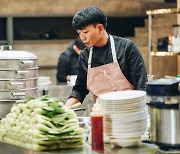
[(18, 95), (27, 62), (22, 73), (16, 85)]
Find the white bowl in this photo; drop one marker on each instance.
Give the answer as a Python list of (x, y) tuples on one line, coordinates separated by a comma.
[(126, 135), (123, 95), (125, 142)]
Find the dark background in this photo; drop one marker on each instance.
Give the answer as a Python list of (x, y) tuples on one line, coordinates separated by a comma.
[(38, 28)]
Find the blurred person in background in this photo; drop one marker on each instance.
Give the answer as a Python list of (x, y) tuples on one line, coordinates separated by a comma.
[(110, 63), (67, 63)]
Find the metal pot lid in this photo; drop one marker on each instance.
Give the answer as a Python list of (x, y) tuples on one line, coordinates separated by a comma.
[(6, 52)]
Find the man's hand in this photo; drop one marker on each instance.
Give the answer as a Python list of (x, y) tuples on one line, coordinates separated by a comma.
[(71, 102)]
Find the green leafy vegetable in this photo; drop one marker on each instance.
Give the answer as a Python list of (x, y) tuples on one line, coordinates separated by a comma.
[(41, 124)]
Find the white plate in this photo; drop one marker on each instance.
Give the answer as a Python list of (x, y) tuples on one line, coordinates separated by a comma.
[(124, 120), (123, 95), (129, 130), (133, 116), (120, 103), (140, 111), (124, 125), (126, 101), (128, 125), (124, 108), (132, 110), (126, 135)]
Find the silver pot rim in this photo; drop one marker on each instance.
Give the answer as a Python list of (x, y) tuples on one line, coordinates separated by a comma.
[(6, 52), (20, 90), (25, 79), (7, 101), (16, 55), (6, 69)]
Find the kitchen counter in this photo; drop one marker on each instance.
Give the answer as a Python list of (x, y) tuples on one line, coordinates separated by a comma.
[(109, 149)]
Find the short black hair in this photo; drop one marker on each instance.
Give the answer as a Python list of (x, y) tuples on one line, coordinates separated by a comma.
[(79, 43), (87, 16)]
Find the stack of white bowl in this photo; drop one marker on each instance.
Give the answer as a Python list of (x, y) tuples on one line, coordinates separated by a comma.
[(125, 116)]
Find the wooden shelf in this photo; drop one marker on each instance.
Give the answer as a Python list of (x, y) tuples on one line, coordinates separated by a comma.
[(161, 63), (163, 11)]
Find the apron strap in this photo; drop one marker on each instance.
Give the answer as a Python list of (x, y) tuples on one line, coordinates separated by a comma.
[(112, 49), (90, 57)]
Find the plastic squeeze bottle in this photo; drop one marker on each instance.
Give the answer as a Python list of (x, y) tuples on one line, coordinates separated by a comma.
[(97, 127)]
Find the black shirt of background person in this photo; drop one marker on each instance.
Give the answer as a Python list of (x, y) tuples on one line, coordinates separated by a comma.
[(67, 64)]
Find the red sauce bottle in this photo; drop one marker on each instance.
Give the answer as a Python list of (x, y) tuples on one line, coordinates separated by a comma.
[(97, 127)]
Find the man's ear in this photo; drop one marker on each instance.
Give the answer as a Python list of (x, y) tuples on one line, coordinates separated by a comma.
[(100, 27)]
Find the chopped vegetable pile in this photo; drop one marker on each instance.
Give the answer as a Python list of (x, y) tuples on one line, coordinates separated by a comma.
[(41, 124)]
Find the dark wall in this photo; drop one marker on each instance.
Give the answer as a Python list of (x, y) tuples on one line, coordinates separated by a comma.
[(43, 28), (170, 1), (124, 26), (2, 28), (36, 28)]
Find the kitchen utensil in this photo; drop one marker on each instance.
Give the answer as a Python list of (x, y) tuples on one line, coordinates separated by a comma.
[(163, 102), (18, 76)]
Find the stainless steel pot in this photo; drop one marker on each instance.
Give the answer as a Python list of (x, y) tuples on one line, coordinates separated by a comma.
[(18, 84), (163, 105), (19, 74), (18, 94), (18, 77), (165, 126)]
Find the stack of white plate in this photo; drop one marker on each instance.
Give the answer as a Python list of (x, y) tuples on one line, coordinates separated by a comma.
[(125, 116)]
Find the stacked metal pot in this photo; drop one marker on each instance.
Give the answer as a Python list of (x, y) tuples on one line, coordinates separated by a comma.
[(163, 101), (18, 77)]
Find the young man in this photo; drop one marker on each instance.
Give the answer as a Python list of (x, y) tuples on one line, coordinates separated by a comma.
[(111, 63)]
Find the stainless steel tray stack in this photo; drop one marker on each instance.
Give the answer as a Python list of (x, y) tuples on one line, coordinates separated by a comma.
[(18, 77)]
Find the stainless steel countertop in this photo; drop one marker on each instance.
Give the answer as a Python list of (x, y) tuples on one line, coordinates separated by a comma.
[(109, 149)]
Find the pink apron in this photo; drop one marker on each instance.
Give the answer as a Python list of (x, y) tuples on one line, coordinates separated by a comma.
[(108, 77)]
